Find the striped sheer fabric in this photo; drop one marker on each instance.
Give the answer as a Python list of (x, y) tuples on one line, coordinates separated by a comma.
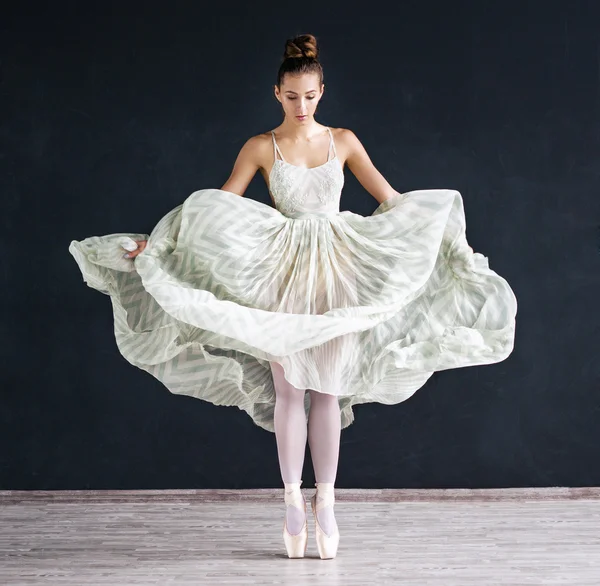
[(365, 308)]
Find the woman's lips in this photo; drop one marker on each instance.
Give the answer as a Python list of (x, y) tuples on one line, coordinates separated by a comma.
[(301, 117)]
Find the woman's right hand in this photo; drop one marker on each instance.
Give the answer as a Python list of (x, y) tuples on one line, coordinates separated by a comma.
[(138, 250)]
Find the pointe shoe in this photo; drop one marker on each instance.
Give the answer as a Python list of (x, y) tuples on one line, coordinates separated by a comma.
[(295, 545), (326, 544)]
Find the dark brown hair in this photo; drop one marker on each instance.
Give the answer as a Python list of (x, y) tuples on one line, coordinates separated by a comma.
[(300, 56)]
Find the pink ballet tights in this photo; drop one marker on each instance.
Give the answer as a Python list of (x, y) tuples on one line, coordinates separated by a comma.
[(291, 432)]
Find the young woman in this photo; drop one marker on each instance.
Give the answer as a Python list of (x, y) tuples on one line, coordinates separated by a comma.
[(296, 312)]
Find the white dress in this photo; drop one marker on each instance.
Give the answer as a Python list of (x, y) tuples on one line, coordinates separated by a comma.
[(365, 308)]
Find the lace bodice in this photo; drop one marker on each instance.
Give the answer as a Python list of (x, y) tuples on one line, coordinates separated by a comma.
[(298, 191)]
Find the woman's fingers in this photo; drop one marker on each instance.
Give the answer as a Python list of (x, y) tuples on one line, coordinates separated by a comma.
[(140, 248)]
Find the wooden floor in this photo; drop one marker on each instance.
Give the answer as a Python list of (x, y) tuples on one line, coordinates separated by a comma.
[(411, 537)]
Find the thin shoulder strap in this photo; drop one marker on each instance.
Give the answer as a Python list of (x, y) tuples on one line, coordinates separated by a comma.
[(276, 148), (331, 144)]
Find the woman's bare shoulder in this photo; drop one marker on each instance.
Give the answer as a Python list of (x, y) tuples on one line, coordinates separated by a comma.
[(262, 137), (341, 134), (260, 146), (344, 142)]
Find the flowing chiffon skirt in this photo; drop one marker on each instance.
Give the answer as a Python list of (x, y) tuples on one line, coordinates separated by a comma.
[(364, 308)]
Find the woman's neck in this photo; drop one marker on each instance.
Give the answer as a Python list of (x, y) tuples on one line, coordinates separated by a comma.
[(301, 132)]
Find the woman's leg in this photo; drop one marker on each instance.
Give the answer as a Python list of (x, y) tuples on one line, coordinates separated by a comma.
[(324, 430), (290, 434)]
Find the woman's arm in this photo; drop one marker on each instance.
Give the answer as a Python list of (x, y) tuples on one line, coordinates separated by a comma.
[(360, 164), (245, 167)]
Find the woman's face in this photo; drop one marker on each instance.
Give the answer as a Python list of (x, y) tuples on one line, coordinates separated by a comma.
[(299, 96)]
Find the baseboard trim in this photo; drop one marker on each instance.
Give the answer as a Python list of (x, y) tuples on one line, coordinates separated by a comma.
[(558, 493)]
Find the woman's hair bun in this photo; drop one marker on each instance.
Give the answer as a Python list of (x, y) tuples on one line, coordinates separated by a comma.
[(299, 58), (301, 46)]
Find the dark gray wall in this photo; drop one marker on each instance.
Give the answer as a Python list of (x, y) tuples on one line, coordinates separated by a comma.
[(112, 115)]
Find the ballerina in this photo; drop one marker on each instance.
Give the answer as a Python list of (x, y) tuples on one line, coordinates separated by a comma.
[(296, 312)]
